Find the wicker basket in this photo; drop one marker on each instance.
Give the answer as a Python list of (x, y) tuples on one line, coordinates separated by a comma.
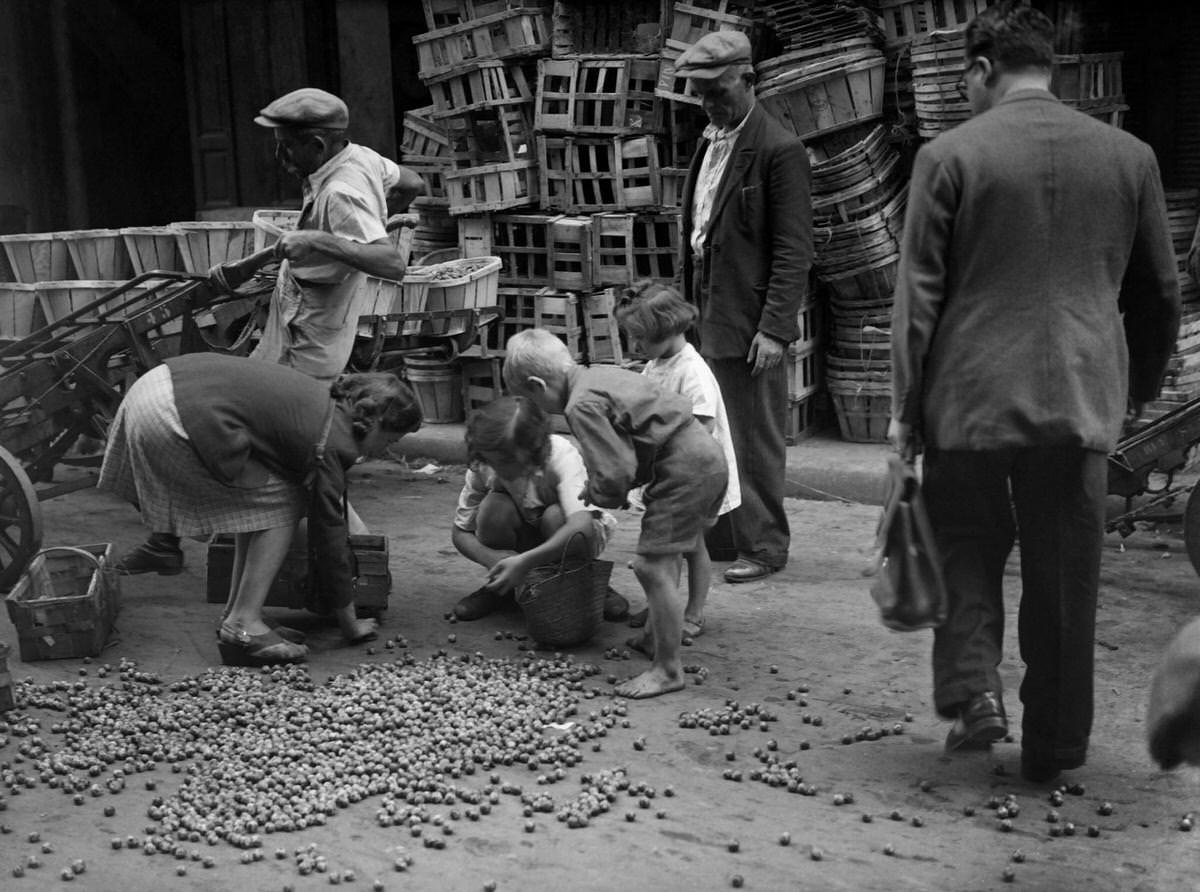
[(563, 603)]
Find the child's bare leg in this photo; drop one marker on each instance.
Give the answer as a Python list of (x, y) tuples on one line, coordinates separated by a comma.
[(355, 630), (699, 579), (659, 575)]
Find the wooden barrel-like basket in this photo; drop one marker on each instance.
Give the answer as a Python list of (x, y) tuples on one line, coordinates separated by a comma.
[(203, 244), (828, 95), (151, 248), (38, 256), (98, 254), (863, 409)]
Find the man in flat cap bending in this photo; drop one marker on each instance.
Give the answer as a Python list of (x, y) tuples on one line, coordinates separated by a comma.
[(339, 239), (747, 249)]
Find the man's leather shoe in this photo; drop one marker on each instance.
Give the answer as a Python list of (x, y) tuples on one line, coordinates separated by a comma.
[(145, 558), (979, 723), (743, 570), (1041, 770)]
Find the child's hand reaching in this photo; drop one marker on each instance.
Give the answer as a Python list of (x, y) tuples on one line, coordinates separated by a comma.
[(507, 574)]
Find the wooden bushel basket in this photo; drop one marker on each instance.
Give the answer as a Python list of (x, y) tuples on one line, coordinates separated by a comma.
[(38, 257), (65, 603), (827, 96), (563, 603), (203, 244), (151, 248), (98, 254)]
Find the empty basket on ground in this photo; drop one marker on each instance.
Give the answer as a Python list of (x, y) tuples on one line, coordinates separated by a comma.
[(462, 283), (863, 409), (270, 223), (563, 603), (38, 256), (98, 253), (832, 93), (65, 602), (151, 248), (203, 244), (20, 313)]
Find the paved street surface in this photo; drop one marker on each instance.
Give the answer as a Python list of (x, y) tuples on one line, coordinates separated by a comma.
[(804, 646)]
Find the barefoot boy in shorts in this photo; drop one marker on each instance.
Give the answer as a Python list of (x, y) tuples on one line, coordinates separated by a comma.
[(633, 433)]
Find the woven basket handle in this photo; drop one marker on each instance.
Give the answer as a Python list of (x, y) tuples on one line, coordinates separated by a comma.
[(562, 561), (70, 549)]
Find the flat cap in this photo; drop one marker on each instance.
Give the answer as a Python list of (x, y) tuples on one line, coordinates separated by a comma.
[(306, 107), (709, 56)]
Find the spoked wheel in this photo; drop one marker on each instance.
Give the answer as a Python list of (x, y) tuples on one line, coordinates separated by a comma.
[(1191, 527), (20, 520)]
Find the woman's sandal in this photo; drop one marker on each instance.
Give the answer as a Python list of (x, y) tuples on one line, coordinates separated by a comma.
[(240, 648), (693, 628), (637, 620), (287, 633)]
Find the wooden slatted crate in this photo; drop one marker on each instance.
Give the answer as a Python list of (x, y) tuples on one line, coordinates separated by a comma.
[(430, 171), (611, 94), (506, 35), (673, 180), (630, 247), (593, 173), (670, 85), (444, 13), (571, 253), (906, 19), (605, 27), (492, 187), (600, 327), (521, 241), (519, 306), (558, 312), (422, 136), (502, 134), (482, 381), (804, 370), (1090, 76), (691, 21), (483, 84), (805, 416)]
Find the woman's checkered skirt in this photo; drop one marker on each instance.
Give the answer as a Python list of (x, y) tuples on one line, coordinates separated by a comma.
[(150, 462)]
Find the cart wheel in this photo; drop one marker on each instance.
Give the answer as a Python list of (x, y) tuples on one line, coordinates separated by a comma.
[(1191, 528), (20, 520)]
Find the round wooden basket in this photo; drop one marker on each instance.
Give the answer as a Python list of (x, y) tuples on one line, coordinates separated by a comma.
[(98, 253), (841, 247), (151, 248), (863, 409), (38, 257), (865, 197), (203, 244), (828, 146), (857, 369), (828, 95)]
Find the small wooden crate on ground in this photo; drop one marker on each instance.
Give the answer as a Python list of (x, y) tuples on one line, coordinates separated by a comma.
[(559, 313), (492, 187), (805, 416), (609, 94), (292, 588), (66, 602), (509, 34), (633, 246), (600, 327)]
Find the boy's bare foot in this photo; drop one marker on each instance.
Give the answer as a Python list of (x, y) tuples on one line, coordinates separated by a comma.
[(643, 643), (359, 631), (651, 683)]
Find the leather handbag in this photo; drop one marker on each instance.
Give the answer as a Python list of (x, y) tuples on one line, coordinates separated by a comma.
[(908, 584)]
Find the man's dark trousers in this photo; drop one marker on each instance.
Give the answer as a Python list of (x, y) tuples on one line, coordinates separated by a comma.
[(1058, 497), (756, 406)]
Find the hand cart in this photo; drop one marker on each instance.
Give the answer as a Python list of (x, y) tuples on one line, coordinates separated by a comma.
[(1145, 464)]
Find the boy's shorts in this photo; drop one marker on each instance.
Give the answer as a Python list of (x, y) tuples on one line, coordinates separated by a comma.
[(685, 494)]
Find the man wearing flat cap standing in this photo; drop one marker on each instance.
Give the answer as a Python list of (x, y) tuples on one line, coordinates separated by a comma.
[(339, 239), (747, 249)]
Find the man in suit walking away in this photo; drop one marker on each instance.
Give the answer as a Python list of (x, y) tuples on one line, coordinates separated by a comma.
[(747, 248), (1036, 307)]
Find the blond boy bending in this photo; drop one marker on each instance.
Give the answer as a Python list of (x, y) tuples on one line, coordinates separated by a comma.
[(633, 433)]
